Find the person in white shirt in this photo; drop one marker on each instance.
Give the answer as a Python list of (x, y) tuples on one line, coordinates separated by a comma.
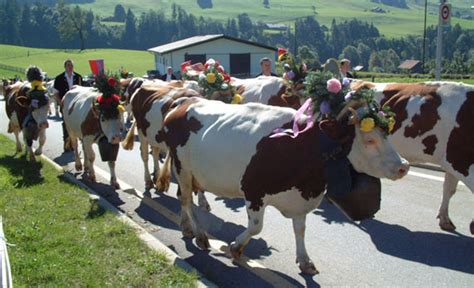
[(169, 75)]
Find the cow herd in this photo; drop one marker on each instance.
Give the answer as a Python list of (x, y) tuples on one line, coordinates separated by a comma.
[(232, 150)]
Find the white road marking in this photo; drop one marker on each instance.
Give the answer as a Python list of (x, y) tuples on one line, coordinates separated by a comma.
[(429, 177)]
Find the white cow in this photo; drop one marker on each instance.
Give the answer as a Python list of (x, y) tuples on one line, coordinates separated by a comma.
[(85, 122), (433, 125), (227, 150)]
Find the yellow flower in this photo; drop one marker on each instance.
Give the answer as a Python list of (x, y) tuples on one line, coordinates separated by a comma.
[(391, 124), (211, 78), (120, 108), (367, 124), (38, 84), (236, 99)]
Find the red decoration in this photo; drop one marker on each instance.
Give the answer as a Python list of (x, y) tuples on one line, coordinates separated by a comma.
[(112, 81), (226, 77), (184, 65), (282, 51)]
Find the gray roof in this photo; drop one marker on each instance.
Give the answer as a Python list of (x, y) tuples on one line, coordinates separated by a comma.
[(408, 64), (192, 41)]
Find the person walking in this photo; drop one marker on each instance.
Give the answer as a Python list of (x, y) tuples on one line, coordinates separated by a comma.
[(63, 83)]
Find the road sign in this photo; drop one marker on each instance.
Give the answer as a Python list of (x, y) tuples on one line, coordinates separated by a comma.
[(445, 13)]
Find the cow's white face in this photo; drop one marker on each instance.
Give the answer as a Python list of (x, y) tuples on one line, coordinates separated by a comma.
[(112, 128), (373, 154), (41, 116)]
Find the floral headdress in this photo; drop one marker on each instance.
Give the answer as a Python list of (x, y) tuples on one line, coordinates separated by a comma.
[(332, 98), (213, 79), (108, 102)]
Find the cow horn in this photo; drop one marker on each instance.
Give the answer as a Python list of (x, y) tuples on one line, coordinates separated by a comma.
[(355, 116), (20, 101)]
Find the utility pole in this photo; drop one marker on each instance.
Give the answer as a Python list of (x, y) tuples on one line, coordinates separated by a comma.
[(439, 45), (424, 40), (296, 49)]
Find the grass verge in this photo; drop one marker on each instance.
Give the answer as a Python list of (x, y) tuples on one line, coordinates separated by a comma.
[(59, 241)]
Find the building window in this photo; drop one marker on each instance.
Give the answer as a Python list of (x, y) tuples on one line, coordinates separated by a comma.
[(240, 65), (195, 58)]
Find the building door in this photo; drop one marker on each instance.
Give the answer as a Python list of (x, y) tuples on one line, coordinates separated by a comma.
[(240, 65), (195, 58)]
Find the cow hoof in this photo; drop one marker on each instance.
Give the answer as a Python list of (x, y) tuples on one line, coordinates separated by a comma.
[(38, 152), (188, 233), (115, 184), (308, 268), (203, 242), (148, 184), (236, 250), (78, 166), (447, 225), (18, 149), (472, 227)]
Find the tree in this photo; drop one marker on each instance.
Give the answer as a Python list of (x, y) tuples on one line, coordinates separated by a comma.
[(266, 3), (119, 13), (364, 54), (375, 63), (10, 25), (308, 56), (129, 38), (72, 21), (25, 24)]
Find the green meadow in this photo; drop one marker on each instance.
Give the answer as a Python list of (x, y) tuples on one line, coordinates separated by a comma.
[(397, 22), (51, 60)]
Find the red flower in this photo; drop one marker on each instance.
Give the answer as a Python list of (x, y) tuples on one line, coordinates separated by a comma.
[(206, 66), (112, 81), (226, 77), (184, 65), (217, 64)]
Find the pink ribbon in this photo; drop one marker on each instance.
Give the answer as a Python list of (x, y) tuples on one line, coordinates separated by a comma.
[(306, 109)]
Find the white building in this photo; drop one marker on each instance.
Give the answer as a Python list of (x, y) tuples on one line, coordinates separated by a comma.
[(240, 58)]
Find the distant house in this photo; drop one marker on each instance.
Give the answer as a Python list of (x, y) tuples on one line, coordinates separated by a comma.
[(278, 27), (411, 66), (241, 58)]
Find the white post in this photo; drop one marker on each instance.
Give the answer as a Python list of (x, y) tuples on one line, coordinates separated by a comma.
[(439, 45)]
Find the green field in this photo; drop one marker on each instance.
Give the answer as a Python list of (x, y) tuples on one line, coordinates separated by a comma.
[(397, 22), (58, 240), (51, 60)]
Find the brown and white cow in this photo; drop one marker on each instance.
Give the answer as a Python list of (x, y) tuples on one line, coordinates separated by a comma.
[(85, 122), (433, 125), (149, 105), (18, 106), (227, 150)]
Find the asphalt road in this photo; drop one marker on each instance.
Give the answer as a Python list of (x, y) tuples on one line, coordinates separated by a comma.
[(401, 246)]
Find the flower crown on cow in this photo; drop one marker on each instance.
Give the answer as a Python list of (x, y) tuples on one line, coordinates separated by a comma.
[(108, 102), (213, 79), (292, 72), (331, 97)]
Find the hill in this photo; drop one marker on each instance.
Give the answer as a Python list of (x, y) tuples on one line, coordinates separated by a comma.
[(395, 22), (51, 60)]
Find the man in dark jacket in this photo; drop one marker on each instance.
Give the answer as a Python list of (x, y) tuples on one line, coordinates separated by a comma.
[(168, 76), (62, 83)]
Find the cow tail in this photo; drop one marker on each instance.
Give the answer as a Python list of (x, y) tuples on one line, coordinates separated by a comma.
[(127, 143), (164, 176)]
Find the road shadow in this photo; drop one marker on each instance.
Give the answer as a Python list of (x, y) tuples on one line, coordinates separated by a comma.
[(436, 249), (26, 173), (227, 273), (331, 214), (65, 158), (232, 203)]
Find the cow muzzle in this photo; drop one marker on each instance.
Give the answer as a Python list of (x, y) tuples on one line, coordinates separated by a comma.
[(402, 170)]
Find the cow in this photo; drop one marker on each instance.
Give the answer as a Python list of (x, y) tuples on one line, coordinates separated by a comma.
[(51, 93), (433, 125), (230, 150), (150, 104), (19, 107), (267, 90), (84, 121)]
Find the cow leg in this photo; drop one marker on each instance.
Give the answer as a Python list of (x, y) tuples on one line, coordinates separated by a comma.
[(202, 202), (41, 140), (17, 140), (302, 258), (449, 188), (89, 157), (113, 177), (144, 154), (255, 225), (77, 155), (29, 148), (155, 152), (188, 223)]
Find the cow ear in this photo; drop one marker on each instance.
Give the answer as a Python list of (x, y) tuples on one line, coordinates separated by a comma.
[(331, 128), (23, 101)]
